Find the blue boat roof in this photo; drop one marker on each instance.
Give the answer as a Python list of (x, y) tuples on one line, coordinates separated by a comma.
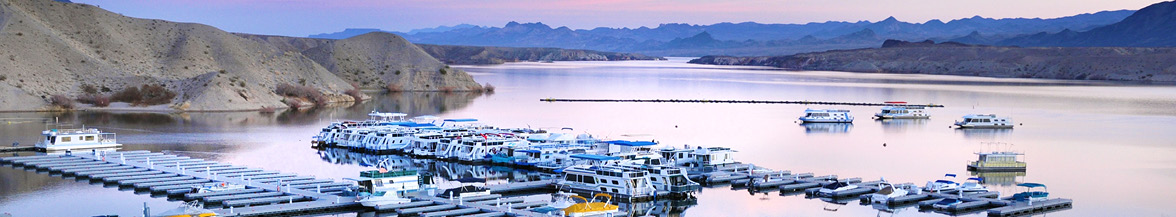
[(631, 143), (1031, 185), (396, 123), (414, 124), (595, 157), (462, 120), (528, 151)]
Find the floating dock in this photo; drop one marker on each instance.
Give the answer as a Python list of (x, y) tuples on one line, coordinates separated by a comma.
[(741, 102)]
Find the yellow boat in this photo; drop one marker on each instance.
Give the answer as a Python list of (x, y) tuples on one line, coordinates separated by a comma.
[(591, 208)]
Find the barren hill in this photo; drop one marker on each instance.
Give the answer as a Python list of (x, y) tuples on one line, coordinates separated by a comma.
[(53, 48)]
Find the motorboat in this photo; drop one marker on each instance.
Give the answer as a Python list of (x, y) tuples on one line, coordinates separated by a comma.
[(989, 121), (187, 209), (1032, 196), (216, 187), (942, 185), (826, 116), (384, 187), (594, 207), (887, 191), (74, 139), (946, 202), (465, 191), (836, 187), (902, 112), (559, 201), (973, 185)]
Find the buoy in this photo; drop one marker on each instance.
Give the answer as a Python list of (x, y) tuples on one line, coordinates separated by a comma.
[(883, 144)]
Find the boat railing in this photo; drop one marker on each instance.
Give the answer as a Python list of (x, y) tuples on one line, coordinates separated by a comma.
[(75, 131), (105, 138)]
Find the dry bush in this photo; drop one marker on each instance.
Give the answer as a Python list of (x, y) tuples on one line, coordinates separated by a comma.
[(354, 93), (144, 95), (307, 92), (394, 88), (97, 100), (266, 110), (446, 89), (61, 101), (89, 89), (293, 103), (488, 88)]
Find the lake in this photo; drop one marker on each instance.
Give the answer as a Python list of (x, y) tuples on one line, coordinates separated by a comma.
[(1106, 145)]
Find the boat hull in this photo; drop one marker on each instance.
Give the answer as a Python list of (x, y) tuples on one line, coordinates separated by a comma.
[(814, 120), (901, 117), (79, 147)]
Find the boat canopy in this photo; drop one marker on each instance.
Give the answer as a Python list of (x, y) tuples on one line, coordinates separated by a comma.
[(410, 124), (631, 143), (595, 157), (978, 179), (462, 120), (1031, 185), (528, 151)]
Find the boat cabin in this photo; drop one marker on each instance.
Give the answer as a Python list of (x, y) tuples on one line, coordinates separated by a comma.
[(997, 162), (400, 181), (615, 180)]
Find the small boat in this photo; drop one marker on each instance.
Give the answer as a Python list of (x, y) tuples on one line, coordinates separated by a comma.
[(1032, 196), (826, 116), (73, 139), (592, 207), (559, 201), (465, 191), (942, 185), (989, 121), (836, 187), (999, 161), (946, 202), (902, 112), (216, 187), (187, 209), (886, 191), (973, 185)]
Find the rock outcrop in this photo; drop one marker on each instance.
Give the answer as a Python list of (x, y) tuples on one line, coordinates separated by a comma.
[(1074, 63)]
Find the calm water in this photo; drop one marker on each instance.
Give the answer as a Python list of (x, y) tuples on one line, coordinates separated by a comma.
[(1108, 146)]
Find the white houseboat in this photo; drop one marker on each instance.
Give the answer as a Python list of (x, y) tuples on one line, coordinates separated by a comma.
[(620, 181), (826, 116), (73, 139), (989, 121), (902, 112)]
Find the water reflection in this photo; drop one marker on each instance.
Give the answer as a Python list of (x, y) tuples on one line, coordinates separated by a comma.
[(830, 128), (984, 134), (900, 125), (999, 178)]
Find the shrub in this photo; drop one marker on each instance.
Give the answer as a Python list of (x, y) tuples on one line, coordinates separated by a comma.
[(488, 87), (95, 99), (89, 89), (144, 95), (3, 77), (446, 89), (61, 101), (353, 85), (394, 88), (442, 71), (354, 93), (293, 103), (307, 92)]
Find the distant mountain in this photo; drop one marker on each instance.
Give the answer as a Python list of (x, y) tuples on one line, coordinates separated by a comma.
[(751, 38), (441, 28), (1152, 26), (346, 33)]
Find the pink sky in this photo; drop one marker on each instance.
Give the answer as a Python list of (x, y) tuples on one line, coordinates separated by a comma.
[(304, 17)]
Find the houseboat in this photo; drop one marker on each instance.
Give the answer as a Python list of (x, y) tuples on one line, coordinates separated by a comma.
[(73, 139), (826, 116), (989, 121), (902, 112), (619, 181), (383, 187), (998, 161)]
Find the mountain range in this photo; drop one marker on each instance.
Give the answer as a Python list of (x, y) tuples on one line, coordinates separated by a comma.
[(749, 38)]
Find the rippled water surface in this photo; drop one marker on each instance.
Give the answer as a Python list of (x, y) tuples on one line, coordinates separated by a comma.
[(1109, 146)]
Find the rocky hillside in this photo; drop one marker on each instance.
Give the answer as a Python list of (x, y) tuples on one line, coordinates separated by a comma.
[(1080, 63), (1152, 26), (475, 55), (54, 48), (379, 59)]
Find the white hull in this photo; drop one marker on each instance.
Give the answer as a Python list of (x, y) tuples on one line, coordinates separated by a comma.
[(381, 201), (79, 147)]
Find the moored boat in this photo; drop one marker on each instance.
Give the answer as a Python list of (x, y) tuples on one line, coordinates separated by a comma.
[(989, 121), (75, 139), (902, 112), (826, 116)]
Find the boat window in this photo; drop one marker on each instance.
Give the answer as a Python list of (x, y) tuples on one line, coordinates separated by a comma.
[(573, 177), (653, 178), (615, 182), (65, 138), (615, 191), (379, 183), (590, 180), (602, 189)]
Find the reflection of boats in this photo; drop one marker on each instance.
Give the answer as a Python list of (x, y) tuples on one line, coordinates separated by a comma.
[(946, 202), (1032, 196), (900, 125), (827, 127), (73, 139), (998, 178), (989, 121), (187, 209), (972, 133), (216, 187), (383, 187), (902, 112), (997, 161), (592, 207), (826, 116), (942, 185)]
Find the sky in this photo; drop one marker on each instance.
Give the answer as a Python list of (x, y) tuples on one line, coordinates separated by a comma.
[(305, 17)]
